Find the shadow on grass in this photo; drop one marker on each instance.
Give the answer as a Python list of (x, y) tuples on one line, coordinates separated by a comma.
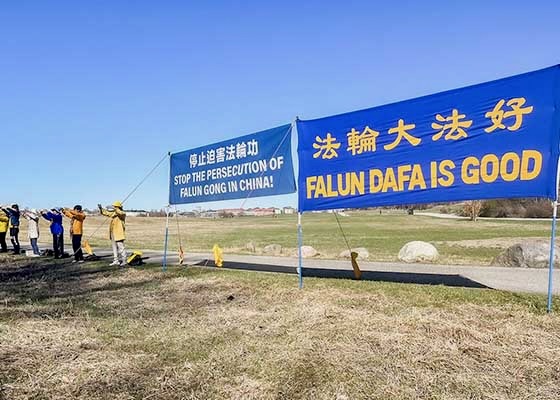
[(379, 276), (25, 281)]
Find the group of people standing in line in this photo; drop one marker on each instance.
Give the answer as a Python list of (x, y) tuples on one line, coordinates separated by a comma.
[(10, 224)]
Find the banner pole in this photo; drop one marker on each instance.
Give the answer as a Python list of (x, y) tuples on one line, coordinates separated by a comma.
[(553, 239), (300, 256), (164, 266), (551, 261)]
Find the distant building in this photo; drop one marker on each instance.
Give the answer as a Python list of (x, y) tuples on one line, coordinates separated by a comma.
[(210, 214), (234, 212), (262, 212), (137, 213), (288, 210)]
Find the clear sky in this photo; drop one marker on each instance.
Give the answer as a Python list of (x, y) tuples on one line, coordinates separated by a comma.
[(94, 93)]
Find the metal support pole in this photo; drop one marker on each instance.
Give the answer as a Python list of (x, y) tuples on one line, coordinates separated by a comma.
[(300, 256), (551, 262), (164, 266)]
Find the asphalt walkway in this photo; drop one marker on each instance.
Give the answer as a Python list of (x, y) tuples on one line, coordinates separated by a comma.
[(522, 280), (502, 278)]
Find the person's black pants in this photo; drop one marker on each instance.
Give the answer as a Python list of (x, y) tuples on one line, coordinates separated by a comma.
[(58, 245), (77, 247), (14, 232), (3, 245)]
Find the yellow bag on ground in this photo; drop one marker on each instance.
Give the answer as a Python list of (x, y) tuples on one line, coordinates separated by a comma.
[(135, 259), (218, 256), (355, 266)]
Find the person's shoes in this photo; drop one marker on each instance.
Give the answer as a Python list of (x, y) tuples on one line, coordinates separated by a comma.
[(81, 262), (114, 263), (74, 261)]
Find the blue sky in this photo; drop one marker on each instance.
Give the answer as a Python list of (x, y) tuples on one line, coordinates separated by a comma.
[(93, 94)]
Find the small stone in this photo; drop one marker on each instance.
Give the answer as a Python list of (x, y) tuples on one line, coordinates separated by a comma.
[(273, 249), (308, 252)]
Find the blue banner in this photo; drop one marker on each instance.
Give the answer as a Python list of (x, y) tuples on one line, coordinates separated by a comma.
[(254, 165), (493, 140)]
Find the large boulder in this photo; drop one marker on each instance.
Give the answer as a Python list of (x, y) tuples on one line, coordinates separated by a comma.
[(308, 252), (363, 253), (418, 251), (273, 249), (529, 254)]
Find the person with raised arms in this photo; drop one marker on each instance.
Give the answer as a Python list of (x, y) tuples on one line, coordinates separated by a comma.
[(32, 218), (77, 217), (116, 232), (14, 215), (57, 230)]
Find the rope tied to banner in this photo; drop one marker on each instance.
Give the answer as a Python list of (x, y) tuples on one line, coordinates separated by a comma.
[(105, 220), (353, 254)]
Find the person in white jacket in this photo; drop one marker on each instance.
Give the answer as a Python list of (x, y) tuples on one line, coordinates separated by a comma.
[(32, 218)]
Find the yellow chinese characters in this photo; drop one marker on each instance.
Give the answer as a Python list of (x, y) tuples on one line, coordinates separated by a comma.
[(362, 142), (326, 147), (497, 115), (401, 131), (454, 128)]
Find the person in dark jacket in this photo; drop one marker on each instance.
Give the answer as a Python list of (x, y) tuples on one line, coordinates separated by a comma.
[(14, 215), (57, 231)]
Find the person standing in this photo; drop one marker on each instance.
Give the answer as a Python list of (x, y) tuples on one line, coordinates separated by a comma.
[(14, 215), (77, 217), (4, 222), (57, 230), (32, 229), (116, 232)]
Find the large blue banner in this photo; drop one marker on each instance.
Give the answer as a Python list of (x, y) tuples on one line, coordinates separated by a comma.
[(255, 165), (493, 140)]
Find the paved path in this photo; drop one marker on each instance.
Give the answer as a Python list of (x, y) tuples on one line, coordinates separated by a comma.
[(454, 216), (510, 279)]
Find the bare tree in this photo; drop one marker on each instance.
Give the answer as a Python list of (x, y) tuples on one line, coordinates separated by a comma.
[(472, 209)]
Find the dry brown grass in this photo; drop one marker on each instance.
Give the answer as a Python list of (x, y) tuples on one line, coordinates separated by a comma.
[(195, 333)]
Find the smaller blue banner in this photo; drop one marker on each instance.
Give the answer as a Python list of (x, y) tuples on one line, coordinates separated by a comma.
[(259, 164)]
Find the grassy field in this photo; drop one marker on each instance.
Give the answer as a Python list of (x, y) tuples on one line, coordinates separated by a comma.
[(194, 333), (458, 241)]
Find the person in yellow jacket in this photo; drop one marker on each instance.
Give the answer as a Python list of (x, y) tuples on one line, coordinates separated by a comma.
[(77, 217), (116, 232), (4, 222)]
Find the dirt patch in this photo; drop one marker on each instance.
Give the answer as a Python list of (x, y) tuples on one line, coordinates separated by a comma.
[(497, 243)]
